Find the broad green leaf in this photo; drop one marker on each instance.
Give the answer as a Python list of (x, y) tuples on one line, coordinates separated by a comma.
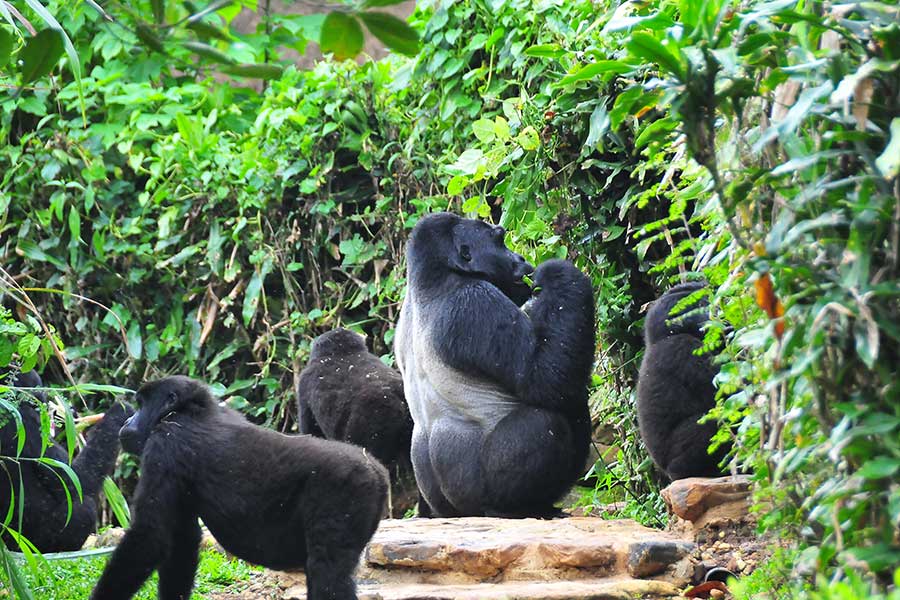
[(256, 70), (546, 51), (889, 161), (341, 35), (117, 502), (90, 388), (501, 128), (880, 468), (71, 434), (135, 341), (74, 223), (646, 46), (594, 69), (529, 139), (7, 41), (622, 105), (210, 52), (395, 33), (457, 184), (40, 54), (653, 131), (467, 162), (471, 205), (599, 126), (251, 296), (11, 568), (484, 130)]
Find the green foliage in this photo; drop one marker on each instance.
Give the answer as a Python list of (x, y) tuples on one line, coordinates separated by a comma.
[(73, 577), (789, 110), (755, 143)]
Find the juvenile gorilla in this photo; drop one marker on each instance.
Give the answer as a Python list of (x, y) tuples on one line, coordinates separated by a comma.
[(346, 393), (675, 388), (43, 505), (498, 394), (284, 502)]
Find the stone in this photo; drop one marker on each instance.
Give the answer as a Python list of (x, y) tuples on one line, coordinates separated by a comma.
[(585, 589), (476, 558), (479, 549), (703, 500)]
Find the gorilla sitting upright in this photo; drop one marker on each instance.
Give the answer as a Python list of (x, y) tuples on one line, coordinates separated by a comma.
[(675, 388), (41, 497), (347, 394), (498, 393)]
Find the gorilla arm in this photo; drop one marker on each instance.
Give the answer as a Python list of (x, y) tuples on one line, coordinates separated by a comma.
[(155, 539), (533, 354)]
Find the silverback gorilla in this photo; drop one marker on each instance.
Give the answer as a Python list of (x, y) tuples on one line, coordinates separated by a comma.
[(498, 393), (675, 388), (347, 394), (284, 502), (45, 508)]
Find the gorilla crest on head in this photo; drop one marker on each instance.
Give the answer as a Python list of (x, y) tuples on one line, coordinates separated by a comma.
[(675, 387), (498, 393)]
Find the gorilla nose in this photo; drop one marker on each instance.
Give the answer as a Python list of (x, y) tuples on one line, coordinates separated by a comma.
[(525, 267), (128, 437)]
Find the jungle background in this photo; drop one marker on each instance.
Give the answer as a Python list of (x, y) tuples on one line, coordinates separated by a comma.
[(176, 196)]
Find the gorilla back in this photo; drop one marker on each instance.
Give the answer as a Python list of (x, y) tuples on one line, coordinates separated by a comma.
[(675, 388), (498, 394)]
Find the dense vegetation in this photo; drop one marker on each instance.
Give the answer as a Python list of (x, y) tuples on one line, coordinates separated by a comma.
[(161, 218)]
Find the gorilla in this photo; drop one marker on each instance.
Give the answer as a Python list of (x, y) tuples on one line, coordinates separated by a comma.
[(283, 502), (347, 394), (498, 393), (675, 388), (36, 488)]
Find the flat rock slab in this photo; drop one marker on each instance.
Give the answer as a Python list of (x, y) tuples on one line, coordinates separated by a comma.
[(577, 558), (480, 549), (585, 589)]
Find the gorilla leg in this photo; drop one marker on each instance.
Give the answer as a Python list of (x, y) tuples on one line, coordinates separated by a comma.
[(528, 460), (430, 494), (335, 538), (176, 573), (454, 451), (689, 456)]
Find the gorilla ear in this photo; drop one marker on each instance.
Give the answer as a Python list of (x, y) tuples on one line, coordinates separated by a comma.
[(462, 258)]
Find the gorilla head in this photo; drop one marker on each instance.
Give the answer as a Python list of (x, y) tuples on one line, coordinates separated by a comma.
[(337, 342), (661, 322), (469, 248)]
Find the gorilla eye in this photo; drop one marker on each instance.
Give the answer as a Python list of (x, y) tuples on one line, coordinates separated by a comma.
[(465, 253)]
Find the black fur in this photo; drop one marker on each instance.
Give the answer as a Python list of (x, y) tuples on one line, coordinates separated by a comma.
[(498, 393), (347, 394), (41, 496), (284, 502), (675, 388)]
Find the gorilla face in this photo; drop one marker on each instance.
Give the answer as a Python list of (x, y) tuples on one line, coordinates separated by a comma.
[(479, 250), (155, 403)]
